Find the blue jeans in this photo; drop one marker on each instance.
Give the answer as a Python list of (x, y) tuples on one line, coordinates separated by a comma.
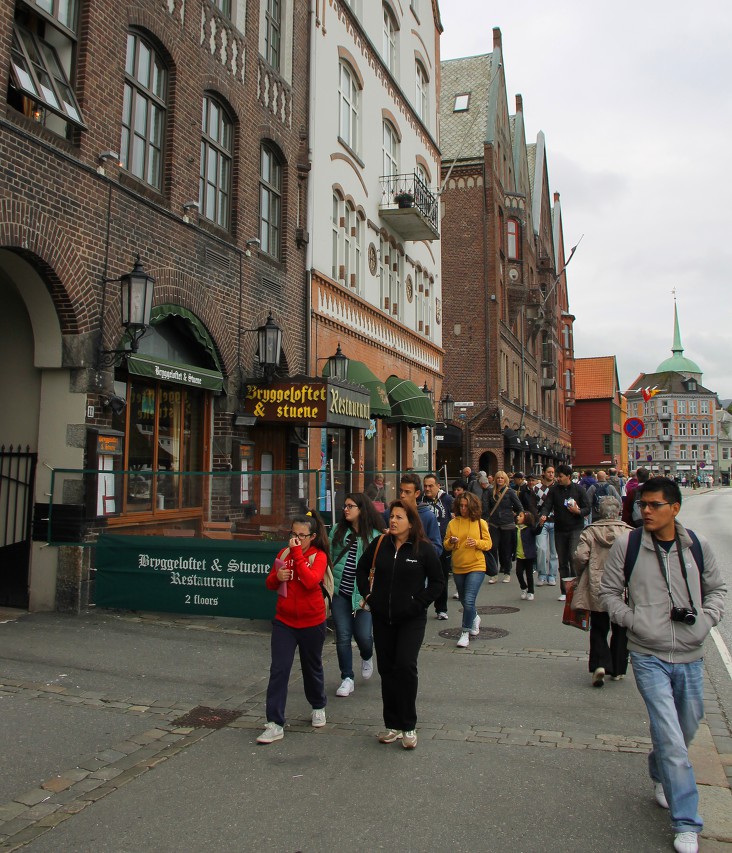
[(546, 553), (674, 697), (468, 587), (347, 626)]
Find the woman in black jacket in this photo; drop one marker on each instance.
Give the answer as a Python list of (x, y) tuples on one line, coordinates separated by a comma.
[(501, 507), (399, 576)]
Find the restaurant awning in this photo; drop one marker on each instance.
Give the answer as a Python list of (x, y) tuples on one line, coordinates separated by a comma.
[(359, 374), (170, 371), (409, 404)]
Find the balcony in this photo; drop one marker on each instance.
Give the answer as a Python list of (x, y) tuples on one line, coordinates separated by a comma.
[(665, 439), (409, 207), (664, 416)]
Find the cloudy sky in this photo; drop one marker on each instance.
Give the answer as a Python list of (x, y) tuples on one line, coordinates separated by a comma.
[(635, 100)]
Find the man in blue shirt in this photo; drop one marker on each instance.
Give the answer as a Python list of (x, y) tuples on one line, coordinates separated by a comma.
[(441, 505), (410, 490)]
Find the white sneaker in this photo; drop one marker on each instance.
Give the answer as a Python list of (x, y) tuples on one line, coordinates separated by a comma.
[(442, 615), (507, 578), (552, 582), (475, 630), (530, 596), (523, 594), (562, 597), (409, 740), (347, 687), (456, 596), (686, 842), (492, 580), (271, 733), (318, 718), (367, 668), (659, 794), (598, 677), (464, 640), (541, 582)]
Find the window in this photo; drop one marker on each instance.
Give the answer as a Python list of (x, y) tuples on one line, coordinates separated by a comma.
[(681, 407), (357, 279), (568, 381), (348, 97), (705, 407), (348, 244), (606, 445), (694, 451), (272, 33), (335, 220), (512, 233), (682, 429), (693, 429), (224, 6), (390, 278), (682, 452), (389, 43), (666, 454), (270, 201), (665, 429), (664, 407), (705, 429), (214, 191), (725, 453), (566, 337), (143, 112), (42, 61), (422, 93), (461, 104), (692, 407), (390, 150)]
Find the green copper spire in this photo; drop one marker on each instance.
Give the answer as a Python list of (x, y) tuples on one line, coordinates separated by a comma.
[(677, 348), (677, 363)]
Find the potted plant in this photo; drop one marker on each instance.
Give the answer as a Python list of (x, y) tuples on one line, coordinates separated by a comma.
[(404, 199)]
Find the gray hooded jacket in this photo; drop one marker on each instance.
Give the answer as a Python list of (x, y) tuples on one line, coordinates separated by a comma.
[(647, 615)]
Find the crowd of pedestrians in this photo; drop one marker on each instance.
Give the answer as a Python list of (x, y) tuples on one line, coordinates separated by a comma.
[(646, 582)]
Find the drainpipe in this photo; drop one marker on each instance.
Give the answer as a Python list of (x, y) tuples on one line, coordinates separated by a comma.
[(309, 220)]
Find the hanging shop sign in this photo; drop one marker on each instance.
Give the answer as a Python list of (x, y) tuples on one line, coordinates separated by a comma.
[(309, 402), (212, 577)]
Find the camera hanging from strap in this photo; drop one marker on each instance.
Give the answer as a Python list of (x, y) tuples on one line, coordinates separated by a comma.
[(662, 567)]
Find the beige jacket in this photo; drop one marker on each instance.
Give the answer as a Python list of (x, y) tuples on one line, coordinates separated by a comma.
[(589, 560)]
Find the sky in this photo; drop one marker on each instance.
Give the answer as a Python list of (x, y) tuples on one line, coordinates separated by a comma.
[(635, 101)]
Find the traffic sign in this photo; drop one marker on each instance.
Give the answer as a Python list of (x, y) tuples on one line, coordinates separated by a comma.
[(634, 427), (702, 464)]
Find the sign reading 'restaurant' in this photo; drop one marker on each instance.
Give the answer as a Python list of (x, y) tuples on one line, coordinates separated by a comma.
[(314, 403)]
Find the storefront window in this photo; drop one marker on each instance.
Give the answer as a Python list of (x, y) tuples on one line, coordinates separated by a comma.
[(421, 449)]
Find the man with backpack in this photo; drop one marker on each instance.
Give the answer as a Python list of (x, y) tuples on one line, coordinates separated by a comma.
[(631, 512), (601, 489), (675, 596)]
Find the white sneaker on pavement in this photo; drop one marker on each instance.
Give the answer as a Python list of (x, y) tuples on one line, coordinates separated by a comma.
[(552, 582), (271, 733), (530, 596), (562, 597), (686, 842), (507, 578), (456, 596), (367, 668), (540, 582), (464, 640), (492, 580), (347, 687), (318, 718), (524, 595), (475, 630), (409, 739), (659, 794), (442, 615)]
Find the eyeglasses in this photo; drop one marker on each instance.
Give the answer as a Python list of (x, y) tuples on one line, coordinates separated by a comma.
[(350, 506), (654, 505), (300, 536)]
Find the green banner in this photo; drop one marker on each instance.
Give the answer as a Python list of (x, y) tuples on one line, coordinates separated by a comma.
[(170, 371), (206, 577)]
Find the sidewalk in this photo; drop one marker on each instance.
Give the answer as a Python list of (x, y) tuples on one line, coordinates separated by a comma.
[(136, 732)]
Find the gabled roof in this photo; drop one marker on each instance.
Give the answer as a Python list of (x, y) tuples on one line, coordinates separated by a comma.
[(668, 382), (463, 134), (596, 378)]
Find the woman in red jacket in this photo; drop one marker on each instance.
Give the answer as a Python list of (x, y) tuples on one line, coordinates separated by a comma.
[(299, 622)]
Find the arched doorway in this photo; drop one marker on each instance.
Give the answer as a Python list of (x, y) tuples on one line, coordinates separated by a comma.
[(488, 462)]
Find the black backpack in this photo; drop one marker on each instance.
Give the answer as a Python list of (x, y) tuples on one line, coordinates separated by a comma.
[(597, 494), (634, 543)]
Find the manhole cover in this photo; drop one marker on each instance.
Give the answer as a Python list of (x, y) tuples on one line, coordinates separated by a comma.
[(495, 610), (485, 633), (207, 718)]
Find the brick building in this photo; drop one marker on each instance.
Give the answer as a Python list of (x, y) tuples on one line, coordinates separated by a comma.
[(177, 131), (507, 329), (598, 415)]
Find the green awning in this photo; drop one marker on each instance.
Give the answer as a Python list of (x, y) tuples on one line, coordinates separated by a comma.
[(359, 374), (198, 330), (409, 404), (170, 371)]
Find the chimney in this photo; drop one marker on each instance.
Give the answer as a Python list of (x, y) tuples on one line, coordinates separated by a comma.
[(497, 38), (519, 104)]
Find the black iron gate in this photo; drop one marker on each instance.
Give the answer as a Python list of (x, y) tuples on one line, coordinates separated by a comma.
[(17, 476)]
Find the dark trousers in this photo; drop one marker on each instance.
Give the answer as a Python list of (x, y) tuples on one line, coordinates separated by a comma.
[(566, 542), (525, 573), (309, 641), (613, 658), (441, 600), (502, 549), (397, 648)]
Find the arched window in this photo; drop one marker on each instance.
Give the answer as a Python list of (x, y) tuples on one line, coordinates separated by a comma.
[(512, 233), (389, 44), (390, 150), (349, 101), (270, 201), (421, 101), (214, 191), (143, 112)]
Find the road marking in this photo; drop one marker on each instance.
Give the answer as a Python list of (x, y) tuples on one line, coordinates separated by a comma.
[(723, 650)]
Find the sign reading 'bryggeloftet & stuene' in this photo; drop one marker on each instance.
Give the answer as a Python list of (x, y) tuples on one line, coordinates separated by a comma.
[(211, 577), (310, 402)]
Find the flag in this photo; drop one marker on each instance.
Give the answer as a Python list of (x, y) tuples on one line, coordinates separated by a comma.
[(649, 392)]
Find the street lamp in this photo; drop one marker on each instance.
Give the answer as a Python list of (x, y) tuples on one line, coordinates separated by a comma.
[(429, 393), (136, 295), (269, 345), (338, 365), (448, 407)]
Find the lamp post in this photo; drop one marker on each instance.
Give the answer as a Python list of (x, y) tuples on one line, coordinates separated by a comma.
[(136, 295), (338, 365)]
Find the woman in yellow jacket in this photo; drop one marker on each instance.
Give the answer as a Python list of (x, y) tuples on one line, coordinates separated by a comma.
[(468, 539)]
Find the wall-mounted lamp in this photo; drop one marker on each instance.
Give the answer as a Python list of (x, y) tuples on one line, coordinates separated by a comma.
[(115, 403), (428, 392), (136, 294), (256, 242), (448, 408), (188, 208), (105, 157), (338, 365), (269, 346)]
